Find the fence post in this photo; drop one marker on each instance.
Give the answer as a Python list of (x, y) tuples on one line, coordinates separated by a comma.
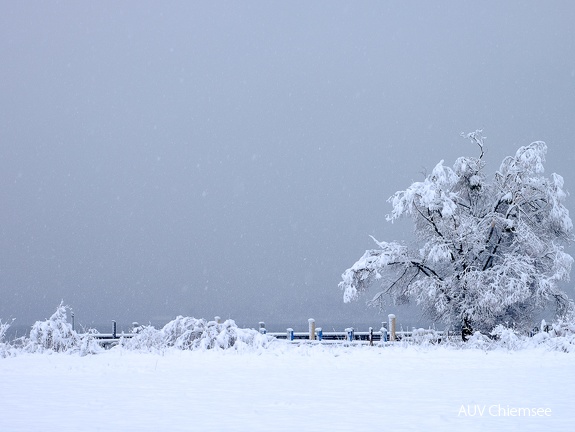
[(319, 334), (383, 334), (371, 336), (73, 324), (391, 318), (290, 334), (218, 320), (263, 328), (349, 332), (114, 329), (311, 323)]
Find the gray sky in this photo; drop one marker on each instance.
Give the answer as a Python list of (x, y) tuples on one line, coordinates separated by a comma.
[(232, 158)]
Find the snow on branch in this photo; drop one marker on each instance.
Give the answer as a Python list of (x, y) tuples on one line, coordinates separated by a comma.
[(432, 195), (367, 269), (476, 138)]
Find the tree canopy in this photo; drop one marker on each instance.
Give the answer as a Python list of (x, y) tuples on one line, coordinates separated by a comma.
[(488, 252)]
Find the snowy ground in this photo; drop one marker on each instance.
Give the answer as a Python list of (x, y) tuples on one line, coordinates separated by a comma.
[(288, 388)]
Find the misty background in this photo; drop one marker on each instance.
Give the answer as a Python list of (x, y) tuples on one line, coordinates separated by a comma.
[(232, 158)]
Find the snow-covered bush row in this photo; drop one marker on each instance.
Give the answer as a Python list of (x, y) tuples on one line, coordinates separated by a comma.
[(501, 337), (559, 336), (55, 335), (188, 333)]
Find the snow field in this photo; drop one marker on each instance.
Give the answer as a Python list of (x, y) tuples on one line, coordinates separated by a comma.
[(286, 388)]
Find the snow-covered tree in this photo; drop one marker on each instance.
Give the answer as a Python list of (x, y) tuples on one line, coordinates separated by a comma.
[(489, 252)]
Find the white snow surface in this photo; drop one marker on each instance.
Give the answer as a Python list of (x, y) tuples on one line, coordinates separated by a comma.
[(287, 388)]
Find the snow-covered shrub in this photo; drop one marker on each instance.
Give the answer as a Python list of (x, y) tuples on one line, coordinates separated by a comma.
[(187, 333), (191, 334), (479, 341), (565, 325), (3, 328), (502, 337), (561, 343), (5, 348), (53, 335), (561, 335), (423, 336), (88, 344), (506, 337), (147, 338), (56, 335)]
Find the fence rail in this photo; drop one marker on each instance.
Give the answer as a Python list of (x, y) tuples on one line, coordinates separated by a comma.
[(108, 340), (387, 333), (350, 335), (357, 336)]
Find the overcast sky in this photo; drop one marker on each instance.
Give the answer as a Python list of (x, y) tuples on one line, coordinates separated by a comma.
[(232, 158)]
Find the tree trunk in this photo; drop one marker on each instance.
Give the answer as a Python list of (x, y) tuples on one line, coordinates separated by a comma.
[(466, 331)]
